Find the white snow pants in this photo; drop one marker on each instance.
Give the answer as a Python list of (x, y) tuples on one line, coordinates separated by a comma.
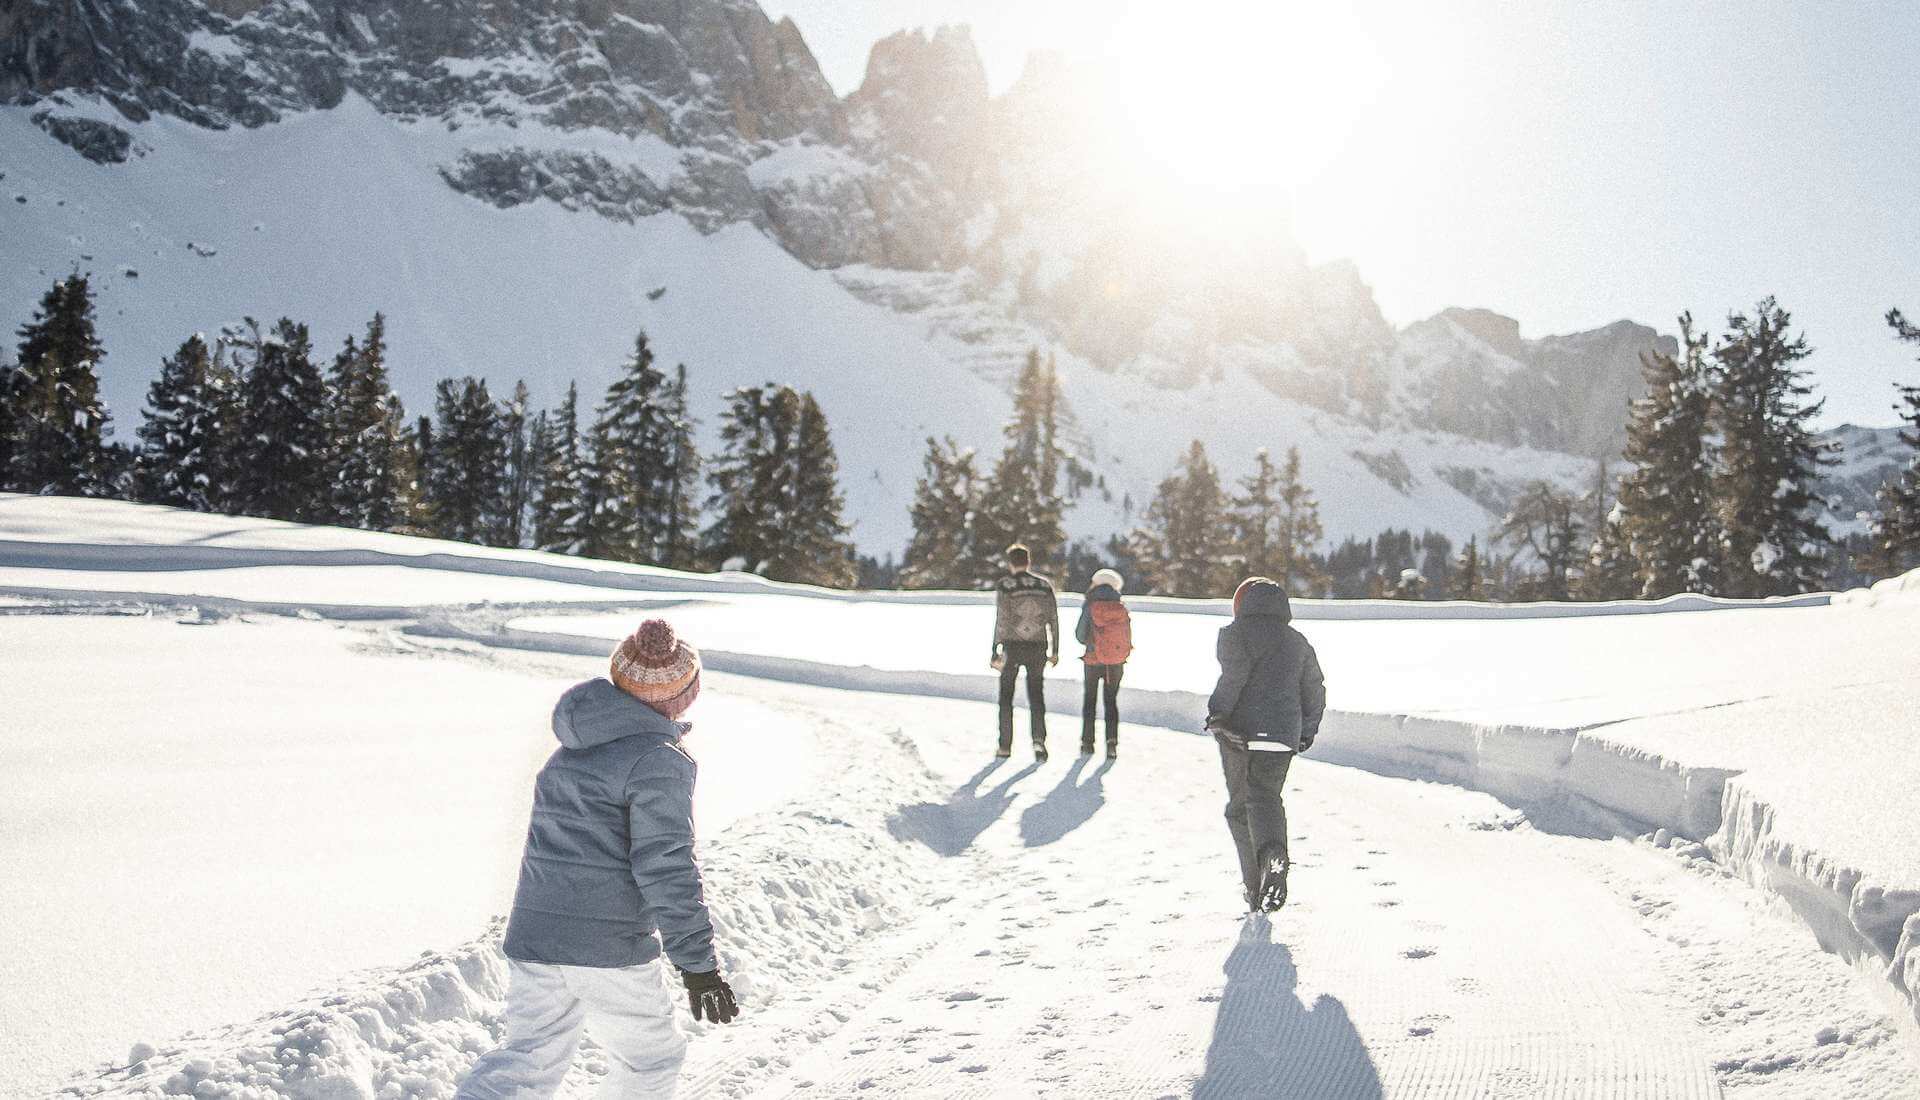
[(628, 1010)]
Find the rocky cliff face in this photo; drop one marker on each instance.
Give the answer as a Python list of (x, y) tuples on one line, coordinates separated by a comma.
[(1468, 371), (988, 215)]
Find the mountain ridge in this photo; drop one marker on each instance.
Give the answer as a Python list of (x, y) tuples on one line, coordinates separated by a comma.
[(980, 225)]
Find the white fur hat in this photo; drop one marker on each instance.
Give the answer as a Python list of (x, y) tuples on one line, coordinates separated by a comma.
[(1108, 577)]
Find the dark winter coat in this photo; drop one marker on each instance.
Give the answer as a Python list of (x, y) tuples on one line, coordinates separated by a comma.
[(609, 874), (1270, 685), (1025, 612)]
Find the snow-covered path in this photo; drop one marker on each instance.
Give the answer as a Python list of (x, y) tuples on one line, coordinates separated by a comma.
[(1436, 946), (905, 920)]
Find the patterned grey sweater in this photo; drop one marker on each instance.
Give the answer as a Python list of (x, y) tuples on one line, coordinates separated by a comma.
[(1025, 611)]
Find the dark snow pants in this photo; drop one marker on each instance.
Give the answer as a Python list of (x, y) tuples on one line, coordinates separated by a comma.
[(1103, 685), (1031, 656), (1255, 815)]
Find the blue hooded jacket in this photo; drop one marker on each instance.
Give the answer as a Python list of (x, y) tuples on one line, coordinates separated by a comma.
[(609, 874), (1270, 685)]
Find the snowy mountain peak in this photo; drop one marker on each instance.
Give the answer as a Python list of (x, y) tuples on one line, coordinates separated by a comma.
[(521, 186)]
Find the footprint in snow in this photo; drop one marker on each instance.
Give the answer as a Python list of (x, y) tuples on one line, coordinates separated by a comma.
[(977, 1067), (1387, 903), (1417, 953), (936, 1059), (962, 995)]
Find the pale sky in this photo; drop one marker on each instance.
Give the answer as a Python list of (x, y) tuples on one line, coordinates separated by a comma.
[(1565, 163)]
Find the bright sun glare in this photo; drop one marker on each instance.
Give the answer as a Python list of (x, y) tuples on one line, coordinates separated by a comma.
[(1239, 102)]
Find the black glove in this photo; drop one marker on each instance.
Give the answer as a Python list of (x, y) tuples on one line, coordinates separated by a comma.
[(710, 997), (1215, 727), (1306, 743)]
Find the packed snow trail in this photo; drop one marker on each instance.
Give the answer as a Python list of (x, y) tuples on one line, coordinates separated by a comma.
[(1435, 946), (914, 921)]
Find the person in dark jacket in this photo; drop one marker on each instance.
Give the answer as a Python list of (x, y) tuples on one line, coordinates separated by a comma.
[(608, 883), (1026, 635), (1107, 631), (1265, 709)]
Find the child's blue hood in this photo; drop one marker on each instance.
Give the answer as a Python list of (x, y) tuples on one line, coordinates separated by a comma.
[(596, 712)]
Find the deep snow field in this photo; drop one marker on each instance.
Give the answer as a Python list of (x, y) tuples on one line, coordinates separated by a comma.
[(262, 790)]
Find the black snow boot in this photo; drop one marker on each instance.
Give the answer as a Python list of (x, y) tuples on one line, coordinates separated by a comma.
[(1086, 748), (1113, 750), (1273, 884), (1039, 752)]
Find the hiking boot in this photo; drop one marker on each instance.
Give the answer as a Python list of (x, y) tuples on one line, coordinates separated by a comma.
[(1086, 748), (1039, 752), (1272, 892), (1113, 750), (1002, 754)]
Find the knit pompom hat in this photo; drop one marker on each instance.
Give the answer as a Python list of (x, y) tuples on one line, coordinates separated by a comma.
[(1109, 577), (657, 668)]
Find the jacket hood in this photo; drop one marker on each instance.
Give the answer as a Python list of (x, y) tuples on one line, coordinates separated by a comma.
[(1102, 592), (596, 712), (1261, 596)]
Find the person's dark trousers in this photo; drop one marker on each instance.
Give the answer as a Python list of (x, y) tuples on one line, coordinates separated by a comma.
[(1255, 815), (1103, 685), (1031, 656)]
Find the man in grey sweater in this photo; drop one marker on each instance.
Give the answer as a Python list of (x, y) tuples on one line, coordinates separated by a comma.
[(607, 883), (1026, 635), (1265, 709)]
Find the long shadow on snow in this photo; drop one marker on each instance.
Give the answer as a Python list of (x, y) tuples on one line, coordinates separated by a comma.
[(951, 827), (1267, 1044), (1069, 805)]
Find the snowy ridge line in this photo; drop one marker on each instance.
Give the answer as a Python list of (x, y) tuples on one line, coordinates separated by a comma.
[(65, 533)]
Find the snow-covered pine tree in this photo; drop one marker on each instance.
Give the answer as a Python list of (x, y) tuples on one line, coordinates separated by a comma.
[(11, 381), (1765, 483), (56, 437), (466, 470), (539, 459), (1022, 500), (559, 516), (1436, 565), (184, 436), (520, 476), (1276, 525), (418, 463), (940, 550), (631, 444), (681, 535), (1896, 530), (815, 549), (1609, 572), (1300, 530), (1470, 573), (364, 423), (1185, 543), (1255, 515), (745, 500), (1668, 525), (280, 452)]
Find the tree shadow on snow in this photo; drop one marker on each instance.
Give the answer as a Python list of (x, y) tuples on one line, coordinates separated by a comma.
[(1266, 1043), (951, 827), (1067, 806)]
